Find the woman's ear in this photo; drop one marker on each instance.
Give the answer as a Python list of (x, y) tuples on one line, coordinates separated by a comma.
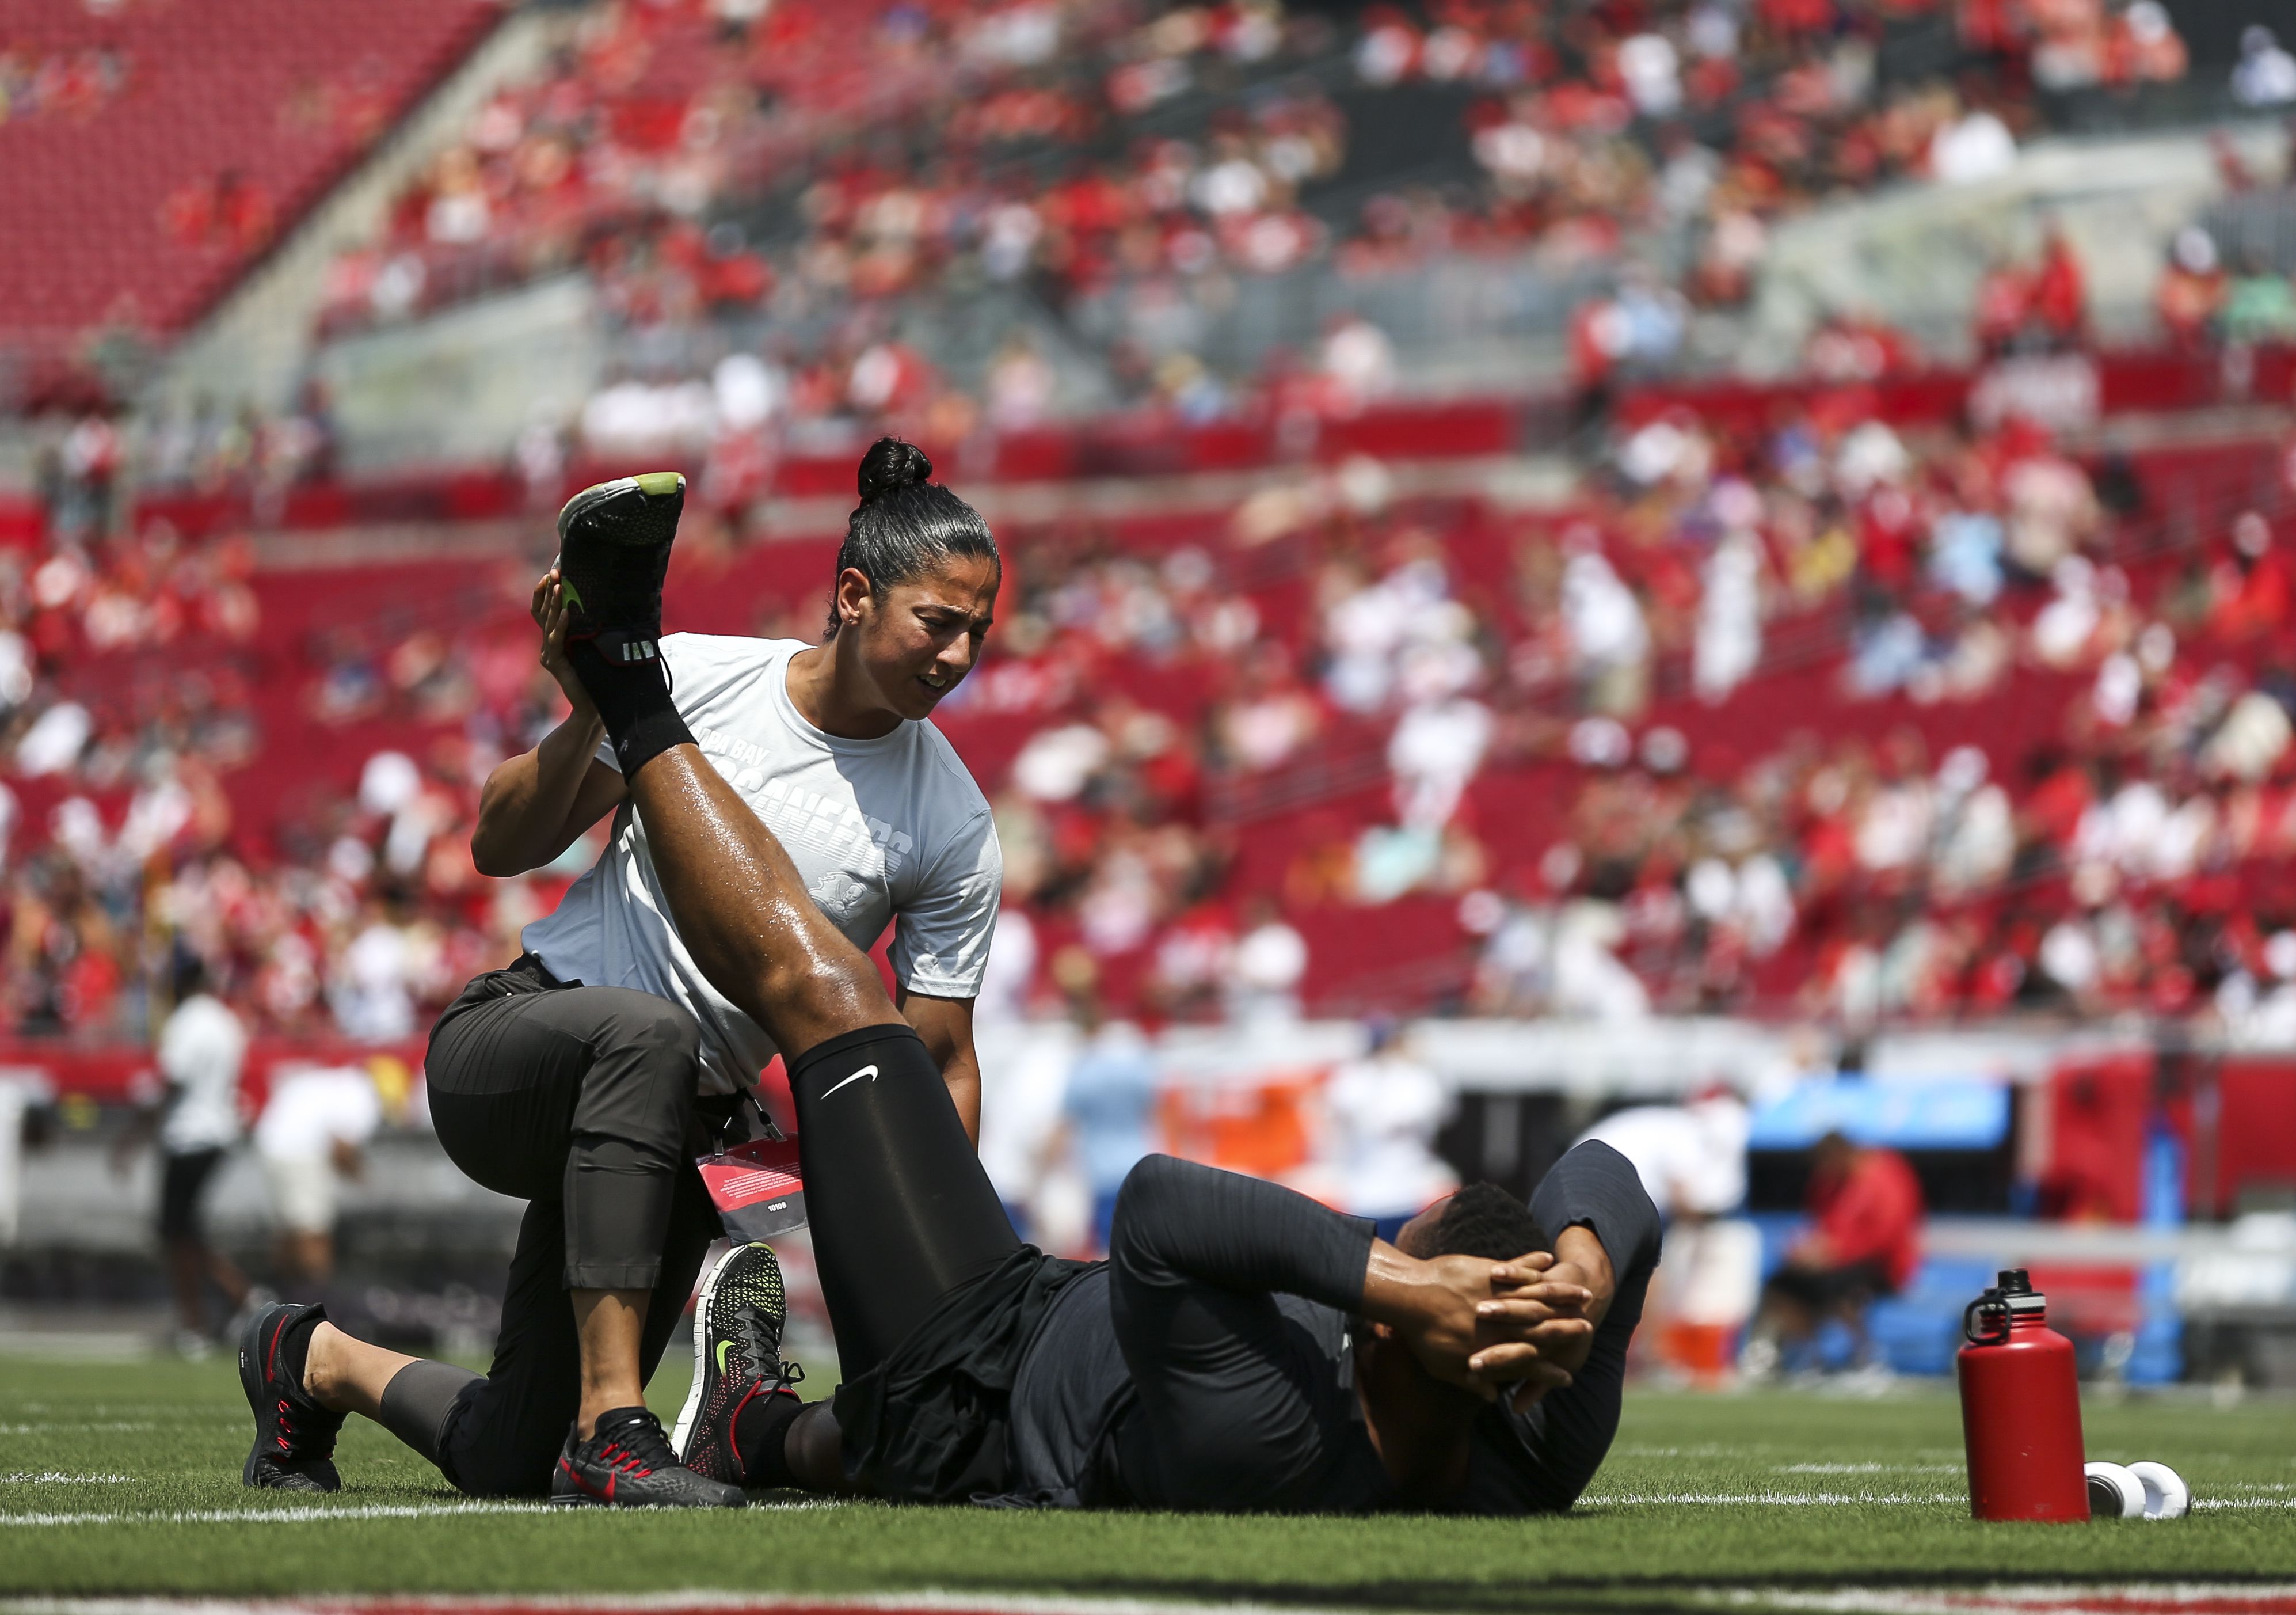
[(853, 599)]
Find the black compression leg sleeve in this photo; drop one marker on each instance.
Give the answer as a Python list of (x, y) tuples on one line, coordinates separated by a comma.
[(417, 1400), (634, 699), (901, 1211)]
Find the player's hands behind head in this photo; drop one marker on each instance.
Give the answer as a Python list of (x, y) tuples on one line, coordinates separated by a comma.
[(1435, 1306), (1538, 1324), (1579, 1263)]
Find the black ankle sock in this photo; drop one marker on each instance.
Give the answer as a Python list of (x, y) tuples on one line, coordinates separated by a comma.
[(762, 1435), (295, 1350), (634, 699)]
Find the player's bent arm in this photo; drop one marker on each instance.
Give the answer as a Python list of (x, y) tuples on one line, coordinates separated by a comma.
[(534, 806), (946, 1025)]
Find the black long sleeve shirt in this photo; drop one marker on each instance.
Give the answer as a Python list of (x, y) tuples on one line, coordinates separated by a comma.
[(1239, 1233)]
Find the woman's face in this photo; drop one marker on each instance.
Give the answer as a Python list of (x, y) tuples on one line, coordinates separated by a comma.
[(915, 640)]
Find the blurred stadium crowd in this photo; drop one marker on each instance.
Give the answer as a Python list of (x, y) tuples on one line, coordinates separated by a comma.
[(2057, 773), (1212, 740), (769, 215)]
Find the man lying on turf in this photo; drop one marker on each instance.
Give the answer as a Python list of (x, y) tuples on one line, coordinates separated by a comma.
[(1244, 1347)]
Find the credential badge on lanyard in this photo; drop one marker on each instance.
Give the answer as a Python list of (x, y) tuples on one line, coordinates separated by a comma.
[(757, 1187)]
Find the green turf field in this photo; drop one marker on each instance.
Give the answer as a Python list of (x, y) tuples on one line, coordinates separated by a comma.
[(125, 1477)]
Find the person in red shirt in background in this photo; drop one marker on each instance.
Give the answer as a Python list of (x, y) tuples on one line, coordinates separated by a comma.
[(2060, 304), (1865, 1212), (2004, 304)]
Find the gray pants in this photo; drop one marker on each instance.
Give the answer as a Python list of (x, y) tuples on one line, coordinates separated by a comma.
[(579, 1101)]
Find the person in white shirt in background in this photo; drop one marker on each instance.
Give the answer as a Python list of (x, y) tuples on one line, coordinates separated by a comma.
[(1271, 959), (1024, 1078), (372, 990), (1692, 1161), (1109, 1105), (202, 1046), (25, 1095), (311, 1136), (1381, 1113)]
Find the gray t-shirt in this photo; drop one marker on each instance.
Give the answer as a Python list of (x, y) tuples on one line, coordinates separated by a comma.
[(891, 830)]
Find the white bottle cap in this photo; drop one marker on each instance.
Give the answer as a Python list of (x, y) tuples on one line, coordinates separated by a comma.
[(2166, 1495)]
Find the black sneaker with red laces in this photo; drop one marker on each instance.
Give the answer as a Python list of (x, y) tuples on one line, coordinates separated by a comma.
[(294, 1437), (737, 1357), (627, 1462)]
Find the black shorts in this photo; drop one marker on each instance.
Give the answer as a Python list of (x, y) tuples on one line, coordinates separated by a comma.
[(930, 1422), (1824, 1286), (183, 1185)]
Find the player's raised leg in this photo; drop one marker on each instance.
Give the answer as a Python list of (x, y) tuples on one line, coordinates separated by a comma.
[(902, 1212)]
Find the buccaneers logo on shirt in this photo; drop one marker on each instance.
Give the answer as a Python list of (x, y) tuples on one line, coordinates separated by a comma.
[(838, 894)]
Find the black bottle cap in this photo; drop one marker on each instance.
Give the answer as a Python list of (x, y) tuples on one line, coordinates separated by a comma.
[(2016, 1281)]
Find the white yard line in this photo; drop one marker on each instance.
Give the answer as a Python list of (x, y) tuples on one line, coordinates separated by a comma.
[(321, 1514)]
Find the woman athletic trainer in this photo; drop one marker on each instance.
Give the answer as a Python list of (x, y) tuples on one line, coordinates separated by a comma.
[(577, 1078)]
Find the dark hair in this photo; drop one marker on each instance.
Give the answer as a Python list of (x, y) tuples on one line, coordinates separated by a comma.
[(906, 526), (1484, 1220), (187, 974)]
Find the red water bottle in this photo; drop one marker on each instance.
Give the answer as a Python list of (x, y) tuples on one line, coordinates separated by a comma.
[(2020, 1408)]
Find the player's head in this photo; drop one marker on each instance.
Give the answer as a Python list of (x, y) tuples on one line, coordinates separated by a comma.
[(190, 975), (1420, 1419), (916, 582), (1833, 1154), (1482, 1220)]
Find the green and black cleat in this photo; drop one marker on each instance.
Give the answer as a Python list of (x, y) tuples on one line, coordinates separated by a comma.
[(613, 552), (737, 1358)]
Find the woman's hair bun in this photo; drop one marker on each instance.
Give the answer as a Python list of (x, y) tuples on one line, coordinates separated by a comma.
[(892, 464)]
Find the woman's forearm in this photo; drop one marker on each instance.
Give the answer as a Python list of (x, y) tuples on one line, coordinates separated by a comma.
[(525, 809)]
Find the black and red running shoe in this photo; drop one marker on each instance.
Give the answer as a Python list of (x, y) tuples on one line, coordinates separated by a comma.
[(613, 553), (294, 1447), (737, 1357), (627, 1462)]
